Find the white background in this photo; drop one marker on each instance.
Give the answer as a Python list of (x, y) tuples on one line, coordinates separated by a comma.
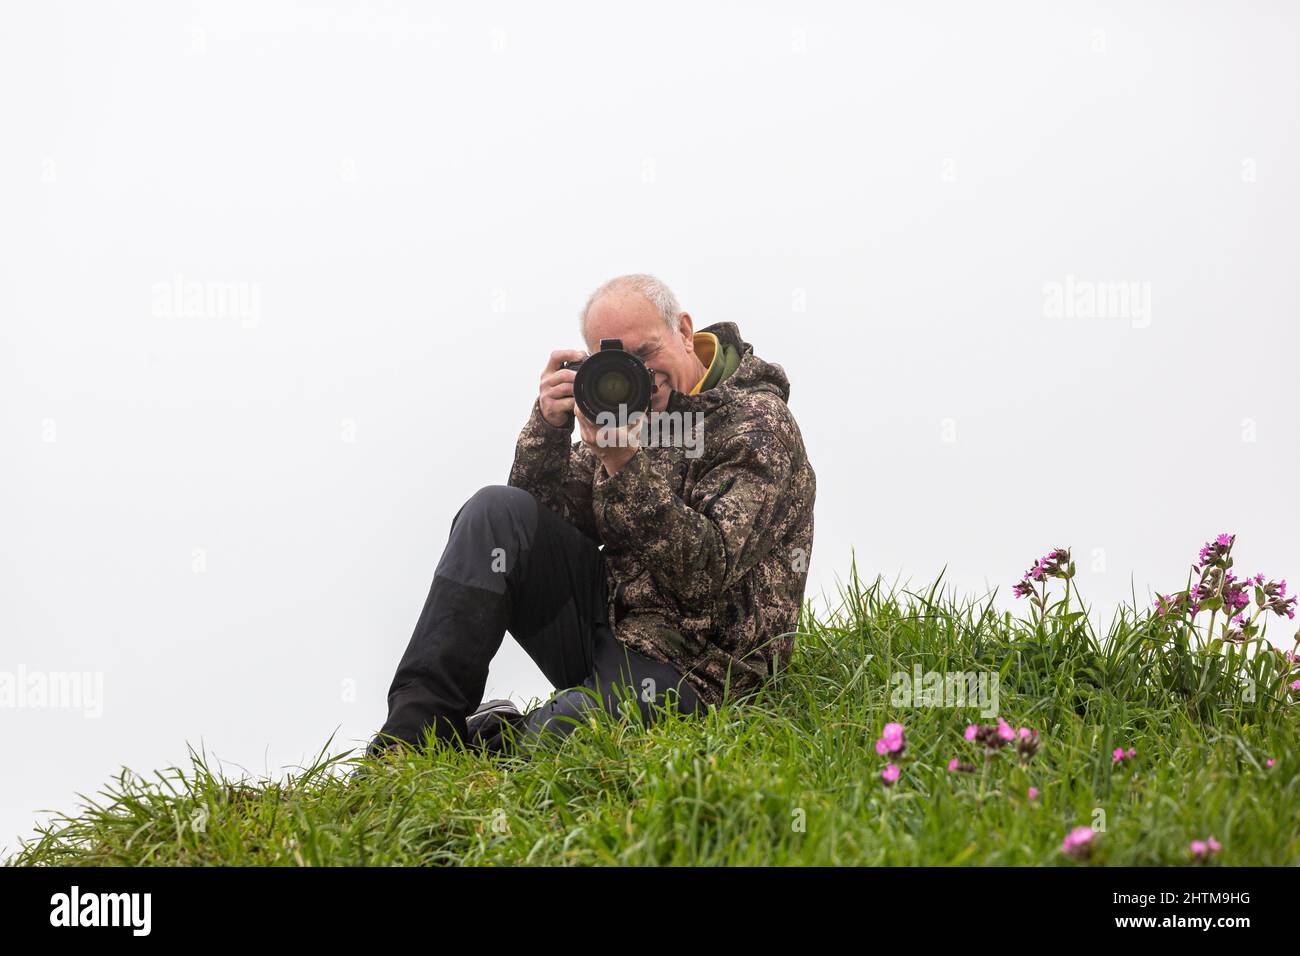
[(422, 197)]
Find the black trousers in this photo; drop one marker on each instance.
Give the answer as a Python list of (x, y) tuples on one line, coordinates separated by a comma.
[(513, 565)]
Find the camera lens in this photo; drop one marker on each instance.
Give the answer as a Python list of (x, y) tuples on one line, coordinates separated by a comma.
[(613, 388), (610, 381)]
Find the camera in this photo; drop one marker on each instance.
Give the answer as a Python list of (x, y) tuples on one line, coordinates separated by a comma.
[(611, 380)]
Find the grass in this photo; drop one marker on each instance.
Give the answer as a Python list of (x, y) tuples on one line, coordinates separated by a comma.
[(792, 776)]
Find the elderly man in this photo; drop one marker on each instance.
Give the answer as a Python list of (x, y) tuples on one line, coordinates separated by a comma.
[(657, 575)]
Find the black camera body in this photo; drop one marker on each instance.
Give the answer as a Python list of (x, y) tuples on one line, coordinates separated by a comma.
[(613, 381)]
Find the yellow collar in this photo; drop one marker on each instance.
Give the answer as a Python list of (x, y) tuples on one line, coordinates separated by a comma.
[(707, 351)]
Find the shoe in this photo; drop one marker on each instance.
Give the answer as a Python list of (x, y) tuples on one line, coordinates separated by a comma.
[(372, 759), (381, 746), (485, 725)]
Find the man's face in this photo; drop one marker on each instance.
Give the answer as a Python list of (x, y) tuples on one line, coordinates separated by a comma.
[(631, 317)]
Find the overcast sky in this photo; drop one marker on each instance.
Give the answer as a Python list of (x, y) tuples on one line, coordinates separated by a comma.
[(1030, 268)]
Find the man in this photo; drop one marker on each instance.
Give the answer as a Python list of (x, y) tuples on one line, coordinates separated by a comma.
[(670, 575)]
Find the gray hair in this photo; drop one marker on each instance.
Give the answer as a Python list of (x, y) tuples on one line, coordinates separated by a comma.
[(654, 292)]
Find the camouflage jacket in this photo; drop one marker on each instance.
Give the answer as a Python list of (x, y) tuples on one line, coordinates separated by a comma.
[(706, 544)]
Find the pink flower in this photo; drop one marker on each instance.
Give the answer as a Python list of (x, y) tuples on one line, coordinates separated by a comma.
[(971, 731), (1054, 564), (1204, 849), (1027, 745), (1215, 552), (891, 740), (953, 764), (1006, 733), (1117, 754), (1033, 793), (1295, 685), (1078, 843), (1269, 763), (1132, 752), (890, 774)]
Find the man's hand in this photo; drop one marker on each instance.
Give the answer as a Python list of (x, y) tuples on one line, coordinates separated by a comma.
[(555, 394), (613, 446)]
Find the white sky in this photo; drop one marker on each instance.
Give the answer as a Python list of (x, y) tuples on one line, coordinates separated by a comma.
[(878, 194)]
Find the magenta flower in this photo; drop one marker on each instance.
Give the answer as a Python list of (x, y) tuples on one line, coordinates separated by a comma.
[(1215, 552), (1033, 793), (1273, 597), (1295, 685), (1027, 744), (1055, 564), (891, 740), (890, 774), (1203, 849), (1235, 597), (1170, 602), (1078, 843), (993, 737), (1269, 763), (1117, 754)]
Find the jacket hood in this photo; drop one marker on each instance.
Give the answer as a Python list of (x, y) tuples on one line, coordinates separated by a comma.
[(753, 374)]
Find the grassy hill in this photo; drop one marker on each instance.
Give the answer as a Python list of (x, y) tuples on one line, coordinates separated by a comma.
[(795, 776)]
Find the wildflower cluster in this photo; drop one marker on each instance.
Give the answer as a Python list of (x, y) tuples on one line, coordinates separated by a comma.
[(992, 738), (1056, 564), (1217, 588), (891, 744)]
